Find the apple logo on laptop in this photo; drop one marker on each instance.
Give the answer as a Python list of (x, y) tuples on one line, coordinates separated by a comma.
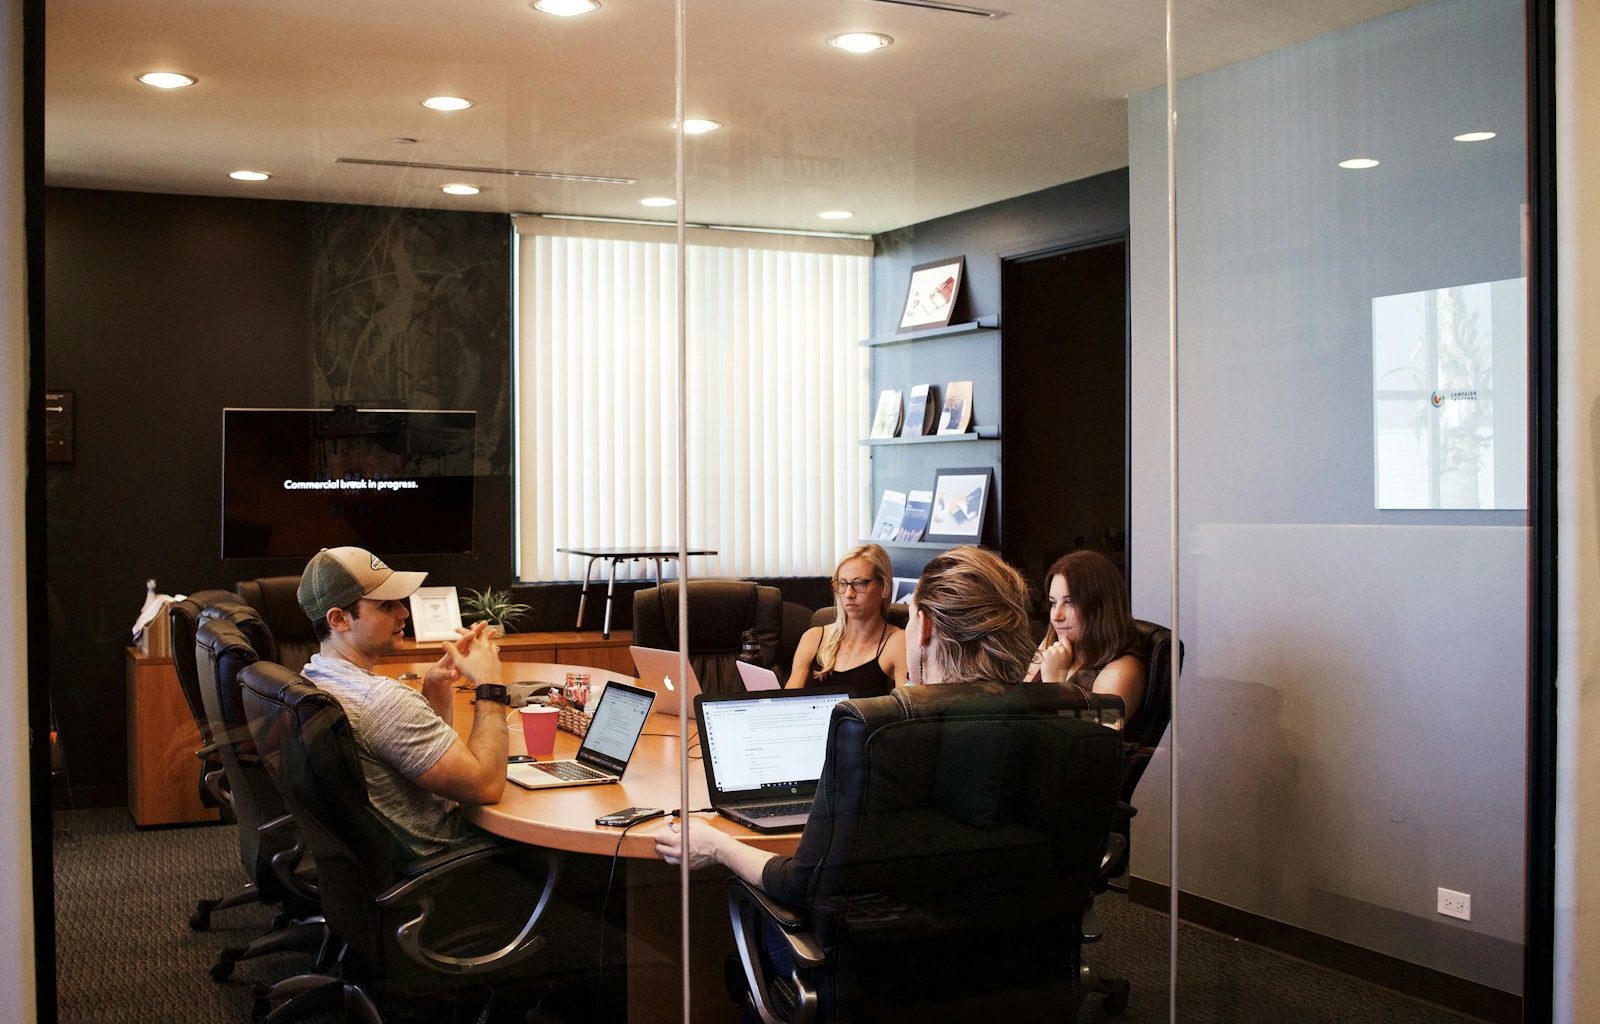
[(668, 681)]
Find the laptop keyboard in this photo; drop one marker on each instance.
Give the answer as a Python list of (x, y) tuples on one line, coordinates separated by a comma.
[(568, 771), (778, 810)]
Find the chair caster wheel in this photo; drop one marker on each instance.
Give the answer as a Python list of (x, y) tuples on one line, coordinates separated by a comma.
[(200, 920), (1116, 1000), (222, 970)]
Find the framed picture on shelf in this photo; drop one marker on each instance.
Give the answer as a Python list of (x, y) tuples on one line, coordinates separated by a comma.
[(435, 613), (931, 296), (903, 588), (960, 499)]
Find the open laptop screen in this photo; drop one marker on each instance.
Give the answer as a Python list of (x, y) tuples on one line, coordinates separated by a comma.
[(772, 743), (618, 721)]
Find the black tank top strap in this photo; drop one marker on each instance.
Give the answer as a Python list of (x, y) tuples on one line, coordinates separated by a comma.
[(883, 641)]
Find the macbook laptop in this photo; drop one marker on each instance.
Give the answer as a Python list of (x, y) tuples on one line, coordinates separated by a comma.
[(658, 673), (757, 678), (763, 753), (619, 718)]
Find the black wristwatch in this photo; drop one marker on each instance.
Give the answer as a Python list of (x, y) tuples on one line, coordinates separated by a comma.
[(495, 692)]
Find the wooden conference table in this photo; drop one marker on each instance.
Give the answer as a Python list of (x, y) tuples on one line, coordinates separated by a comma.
[(563, 819)]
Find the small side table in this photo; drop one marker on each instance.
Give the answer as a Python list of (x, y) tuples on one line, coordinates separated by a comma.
[(614, 555)]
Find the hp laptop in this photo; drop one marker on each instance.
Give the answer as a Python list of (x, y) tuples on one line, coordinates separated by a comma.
[(763, 753), (756, 678), (657, 670), (618, 720)]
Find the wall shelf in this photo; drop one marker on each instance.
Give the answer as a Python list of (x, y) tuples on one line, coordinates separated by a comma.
[(980, 434), (983, 323), (925, 545)]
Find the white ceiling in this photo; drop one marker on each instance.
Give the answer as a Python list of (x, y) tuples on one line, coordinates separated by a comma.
[(958, 112)]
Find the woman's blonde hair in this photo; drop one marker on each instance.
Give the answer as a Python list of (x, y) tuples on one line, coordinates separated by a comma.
[(833, 632), (979, 609)]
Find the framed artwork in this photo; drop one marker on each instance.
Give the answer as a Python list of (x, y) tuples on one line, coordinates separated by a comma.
[(435, 613), (903, 588), (931, 297), (960, 498)]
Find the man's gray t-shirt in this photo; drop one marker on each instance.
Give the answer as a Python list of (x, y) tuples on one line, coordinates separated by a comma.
[(399, 737)]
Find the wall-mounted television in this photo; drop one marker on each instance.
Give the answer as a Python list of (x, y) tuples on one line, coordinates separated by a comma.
[(397, 482)]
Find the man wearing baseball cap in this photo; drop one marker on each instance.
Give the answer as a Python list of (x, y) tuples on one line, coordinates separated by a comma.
[(417, 769)]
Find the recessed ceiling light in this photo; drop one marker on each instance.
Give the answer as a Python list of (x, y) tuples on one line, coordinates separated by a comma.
[(564, 8), (1360, 163), (446, 103), (860, 42), (249, 175), (698, 125), (460, 188), (658, 201), (835, 215), (166, 79), (1475, 137)]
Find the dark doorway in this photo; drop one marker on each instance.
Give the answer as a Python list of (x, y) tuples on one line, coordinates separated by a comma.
[(1064, 427)]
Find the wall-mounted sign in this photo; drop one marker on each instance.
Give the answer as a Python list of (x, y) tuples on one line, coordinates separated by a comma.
[(58, 426)]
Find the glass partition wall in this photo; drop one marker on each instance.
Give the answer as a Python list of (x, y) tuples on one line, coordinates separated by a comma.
[(1352, 510), (776, 281)]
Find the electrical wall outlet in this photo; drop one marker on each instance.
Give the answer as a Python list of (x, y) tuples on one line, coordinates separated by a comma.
[(1455, 904)]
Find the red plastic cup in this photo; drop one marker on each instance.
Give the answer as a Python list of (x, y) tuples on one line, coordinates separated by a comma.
[(539, 729)]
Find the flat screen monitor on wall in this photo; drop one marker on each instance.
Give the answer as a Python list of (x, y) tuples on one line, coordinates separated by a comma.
[(397, 482)]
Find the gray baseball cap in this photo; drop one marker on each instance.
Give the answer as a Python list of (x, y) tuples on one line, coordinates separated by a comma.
[(339, 577)]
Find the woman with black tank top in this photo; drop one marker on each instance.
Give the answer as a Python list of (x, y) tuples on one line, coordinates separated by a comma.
[(1092, 641), (859, 648)]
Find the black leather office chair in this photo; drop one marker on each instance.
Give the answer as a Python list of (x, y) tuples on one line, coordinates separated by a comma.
[(182, 620), (274, 599), (1140, 740), (954, 843), (896, 616), (796, 619), (407, 929), (270, 849), (719, 613)]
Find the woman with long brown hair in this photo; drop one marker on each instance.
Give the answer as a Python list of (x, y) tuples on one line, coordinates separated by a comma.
[(1092, 642)]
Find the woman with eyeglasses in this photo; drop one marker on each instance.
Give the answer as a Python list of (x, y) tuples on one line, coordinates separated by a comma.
[(859, 649), (1092, 642)]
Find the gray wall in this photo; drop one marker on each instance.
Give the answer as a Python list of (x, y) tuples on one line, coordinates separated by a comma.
[(1352, 707)]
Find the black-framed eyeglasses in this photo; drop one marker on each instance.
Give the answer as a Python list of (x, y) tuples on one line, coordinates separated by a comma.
[(858, 586)]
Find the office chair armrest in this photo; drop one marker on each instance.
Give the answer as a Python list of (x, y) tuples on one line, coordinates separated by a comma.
[(1115, 857), (215, 782), (206, 752), (790, 919), (422, 876), (288, 862), (748, 909), (1089, 927)]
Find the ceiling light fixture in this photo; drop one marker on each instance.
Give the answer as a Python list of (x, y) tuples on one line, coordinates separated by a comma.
[(698, 125), (446, 103), (658, 201), (513, 172), (166, 79), (564, 8), (1475, 137), (860, 42), (249, 175), (460, 188), (1359, 163), (835, 215)]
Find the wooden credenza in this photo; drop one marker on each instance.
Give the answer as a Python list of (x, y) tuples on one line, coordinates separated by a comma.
[(164, 774)]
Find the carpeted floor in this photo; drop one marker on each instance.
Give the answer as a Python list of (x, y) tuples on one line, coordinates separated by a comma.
[(125, 952)]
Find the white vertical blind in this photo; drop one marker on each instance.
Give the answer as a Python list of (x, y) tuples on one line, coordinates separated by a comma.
[(777, 392)]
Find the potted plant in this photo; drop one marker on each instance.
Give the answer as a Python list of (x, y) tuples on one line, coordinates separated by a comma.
[(494, 607)]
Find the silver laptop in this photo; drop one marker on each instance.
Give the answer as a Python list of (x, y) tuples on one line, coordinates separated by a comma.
[(763, 753), (756, 678), (607, 747), (658, 673)]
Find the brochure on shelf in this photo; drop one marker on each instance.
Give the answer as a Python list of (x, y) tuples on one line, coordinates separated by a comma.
[(888, 419), (915, 520), (890, 509)]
